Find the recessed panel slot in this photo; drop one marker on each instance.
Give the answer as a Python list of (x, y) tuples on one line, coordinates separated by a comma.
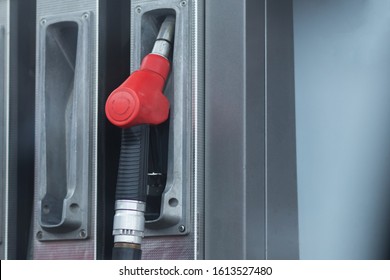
[(63, 127), (169, 164), (61, 47)]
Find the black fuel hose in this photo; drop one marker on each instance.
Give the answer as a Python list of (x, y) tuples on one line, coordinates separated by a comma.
[(133, 165), (131, 180)]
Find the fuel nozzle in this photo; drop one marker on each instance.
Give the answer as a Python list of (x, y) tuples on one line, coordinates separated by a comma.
[(139, 100), (164, 39)]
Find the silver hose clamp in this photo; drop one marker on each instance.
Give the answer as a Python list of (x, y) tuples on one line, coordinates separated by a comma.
[(129, 221)]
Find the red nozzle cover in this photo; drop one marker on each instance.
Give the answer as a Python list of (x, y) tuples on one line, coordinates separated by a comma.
[(139, 100)]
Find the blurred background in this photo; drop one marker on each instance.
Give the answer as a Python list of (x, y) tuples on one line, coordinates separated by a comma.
[(342, 89)]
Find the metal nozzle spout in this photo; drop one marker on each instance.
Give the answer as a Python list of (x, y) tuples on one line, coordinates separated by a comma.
[(167, 29), (164, 39)]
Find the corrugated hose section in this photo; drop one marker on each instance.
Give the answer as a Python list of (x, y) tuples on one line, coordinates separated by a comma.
[(132, 171)]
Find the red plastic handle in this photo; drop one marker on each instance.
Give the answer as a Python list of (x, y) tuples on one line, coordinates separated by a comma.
[(139, 100)]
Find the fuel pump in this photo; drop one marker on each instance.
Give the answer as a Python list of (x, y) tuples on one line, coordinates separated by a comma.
[(133, 106)]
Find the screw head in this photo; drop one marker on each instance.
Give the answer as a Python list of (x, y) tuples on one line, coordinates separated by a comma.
[(138, 9), (85, 16), (183, 3), (39, 235), (182, 228), (83, 233), (43, 21)]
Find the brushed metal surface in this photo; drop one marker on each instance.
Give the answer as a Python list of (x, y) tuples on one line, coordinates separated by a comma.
[(250, 189), (4, 29), (85, 248), (190, 67)]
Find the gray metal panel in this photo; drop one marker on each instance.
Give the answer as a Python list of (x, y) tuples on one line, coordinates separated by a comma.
[(63, 126), (250, 171), (4, 13), (178, 92), (86, 249), (3, 137), (189, 246), (235, 217), (281, 180)]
